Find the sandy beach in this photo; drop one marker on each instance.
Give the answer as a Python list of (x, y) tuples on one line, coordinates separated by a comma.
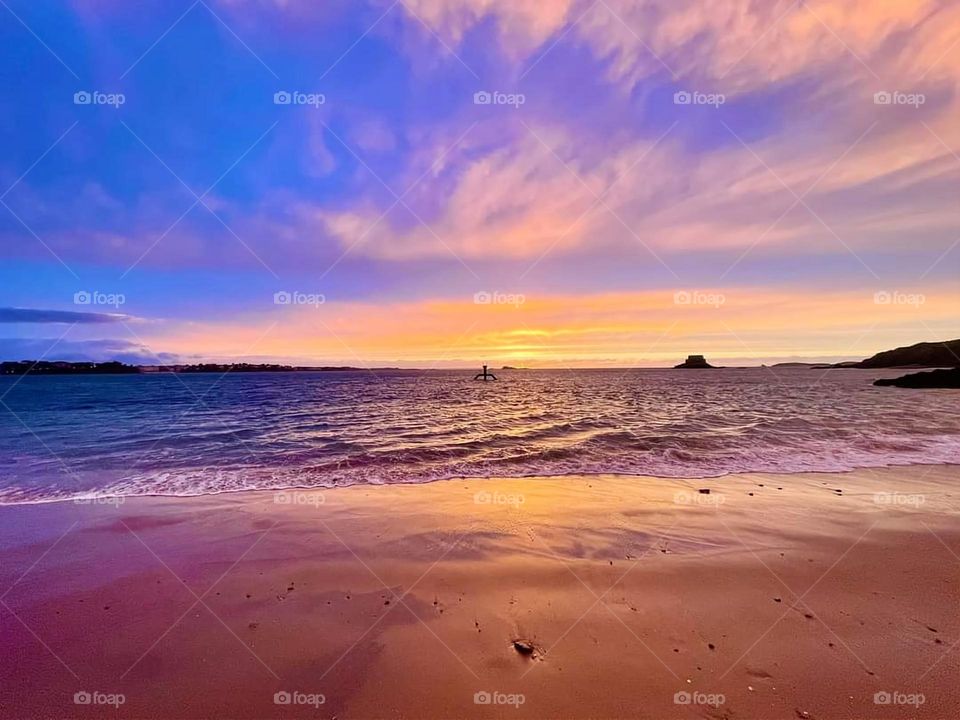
[(771, 596)]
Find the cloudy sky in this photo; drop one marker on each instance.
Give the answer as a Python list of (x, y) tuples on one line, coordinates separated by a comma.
[(439, 183)]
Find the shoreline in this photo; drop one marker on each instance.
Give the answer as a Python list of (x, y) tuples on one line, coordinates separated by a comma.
[(92, 499), (796, 595)]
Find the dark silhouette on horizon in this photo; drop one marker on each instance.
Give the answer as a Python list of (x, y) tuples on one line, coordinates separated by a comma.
[(485, 375), (696, 362)]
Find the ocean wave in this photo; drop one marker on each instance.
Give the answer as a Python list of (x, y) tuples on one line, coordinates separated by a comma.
[(315, 432)]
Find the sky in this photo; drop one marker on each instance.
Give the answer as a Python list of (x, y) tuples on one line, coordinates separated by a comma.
[(442, 183)]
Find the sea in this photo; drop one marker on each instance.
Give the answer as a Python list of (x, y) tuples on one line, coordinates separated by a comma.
[(89, 436)]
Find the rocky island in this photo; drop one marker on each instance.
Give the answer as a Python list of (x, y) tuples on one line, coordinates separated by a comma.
[(695, 362)]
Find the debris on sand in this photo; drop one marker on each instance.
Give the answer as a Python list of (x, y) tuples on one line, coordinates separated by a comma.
[(527, 648)]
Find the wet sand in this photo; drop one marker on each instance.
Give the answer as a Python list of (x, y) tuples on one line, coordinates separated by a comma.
[(773, 596)]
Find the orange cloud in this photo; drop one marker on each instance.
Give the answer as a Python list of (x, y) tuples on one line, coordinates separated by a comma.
[(643, 328)]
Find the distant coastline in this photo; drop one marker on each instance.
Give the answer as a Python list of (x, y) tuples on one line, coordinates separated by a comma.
[(44, 367), (945, 354)]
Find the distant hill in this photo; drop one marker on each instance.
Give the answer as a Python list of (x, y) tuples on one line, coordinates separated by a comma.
[(927, 355)]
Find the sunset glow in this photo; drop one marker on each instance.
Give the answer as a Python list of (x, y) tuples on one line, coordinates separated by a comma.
[(580, 167)]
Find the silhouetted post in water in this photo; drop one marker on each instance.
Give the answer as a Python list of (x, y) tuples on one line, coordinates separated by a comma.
[(485, 375)]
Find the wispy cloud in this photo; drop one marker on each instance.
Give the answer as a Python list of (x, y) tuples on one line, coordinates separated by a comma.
[(69, 317)]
